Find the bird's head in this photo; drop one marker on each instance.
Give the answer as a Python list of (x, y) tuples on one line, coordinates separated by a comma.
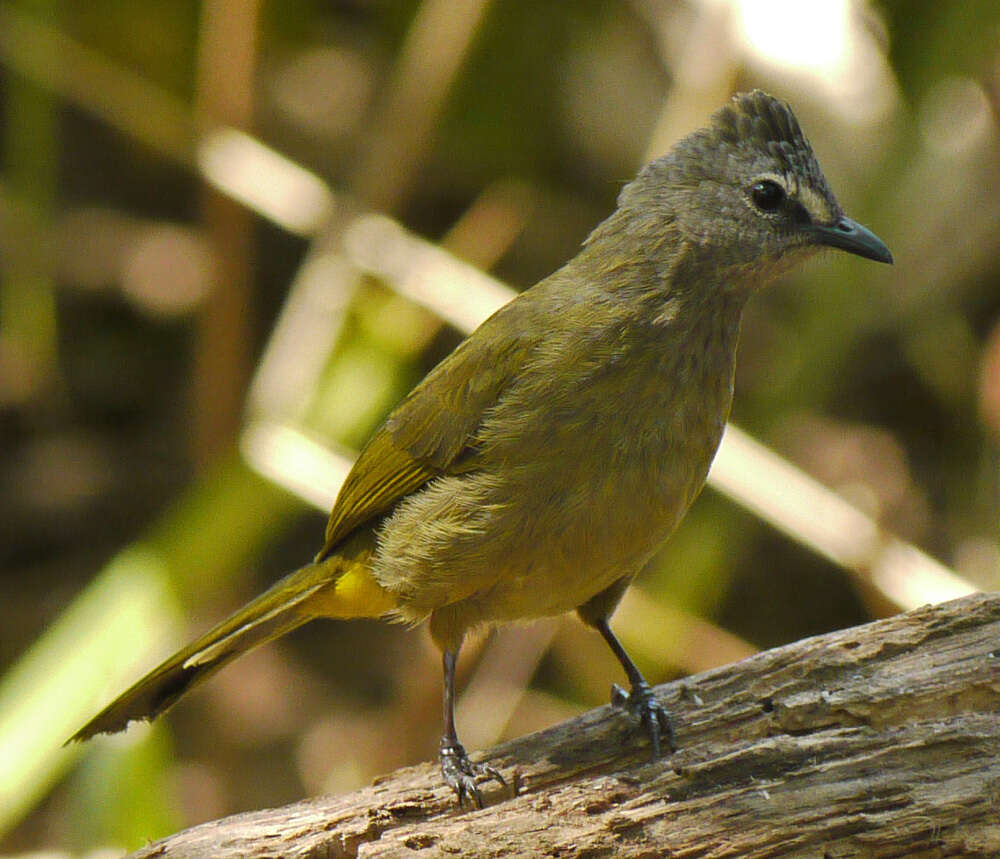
[(747, 190)]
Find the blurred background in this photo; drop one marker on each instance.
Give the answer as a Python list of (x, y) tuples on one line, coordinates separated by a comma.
[(233, 233)]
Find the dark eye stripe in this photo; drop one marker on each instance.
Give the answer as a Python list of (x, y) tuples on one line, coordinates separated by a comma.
[(800, 214)]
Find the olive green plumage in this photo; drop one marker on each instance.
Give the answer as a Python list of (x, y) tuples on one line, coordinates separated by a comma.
[(542, 463)]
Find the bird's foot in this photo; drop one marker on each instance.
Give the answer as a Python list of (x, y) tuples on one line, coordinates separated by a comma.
[(642, 704), (462, 775)]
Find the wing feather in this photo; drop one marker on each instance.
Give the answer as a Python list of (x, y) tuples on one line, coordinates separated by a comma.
[(428, 433)]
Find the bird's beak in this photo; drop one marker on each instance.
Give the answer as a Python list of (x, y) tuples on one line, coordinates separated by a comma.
[(850, 236)]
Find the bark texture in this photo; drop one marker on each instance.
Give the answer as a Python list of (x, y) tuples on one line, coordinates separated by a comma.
[(876, 741)]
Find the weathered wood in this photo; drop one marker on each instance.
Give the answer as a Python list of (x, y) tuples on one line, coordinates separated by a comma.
[(877, 741)]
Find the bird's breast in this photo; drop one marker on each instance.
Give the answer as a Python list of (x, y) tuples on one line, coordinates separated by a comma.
[(578, 479)]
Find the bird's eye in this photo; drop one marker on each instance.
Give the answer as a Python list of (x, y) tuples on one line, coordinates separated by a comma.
[(767, 195)]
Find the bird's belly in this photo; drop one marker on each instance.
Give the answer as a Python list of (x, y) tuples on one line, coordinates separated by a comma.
[(579, 543), (505, 550), (581, 496)]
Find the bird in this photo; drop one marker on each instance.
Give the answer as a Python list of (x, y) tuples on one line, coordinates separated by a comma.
[(539, 466)]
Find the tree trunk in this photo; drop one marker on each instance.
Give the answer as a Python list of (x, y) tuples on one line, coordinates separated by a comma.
[(876, 741)]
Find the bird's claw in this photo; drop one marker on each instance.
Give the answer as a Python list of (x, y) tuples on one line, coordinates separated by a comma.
[(463, 776), (642, 704)]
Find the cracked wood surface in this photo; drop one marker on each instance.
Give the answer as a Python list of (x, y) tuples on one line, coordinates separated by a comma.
[(876, 741)]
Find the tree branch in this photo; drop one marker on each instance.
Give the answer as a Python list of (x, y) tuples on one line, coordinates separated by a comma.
[(879, 740)]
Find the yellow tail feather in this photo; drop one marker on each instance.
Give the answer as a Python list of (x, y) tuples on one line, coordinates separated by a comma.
[(354, 594)]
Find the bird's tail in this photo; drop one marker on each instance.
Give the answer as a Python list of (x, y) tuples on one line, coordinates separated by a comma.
[(334, 587)]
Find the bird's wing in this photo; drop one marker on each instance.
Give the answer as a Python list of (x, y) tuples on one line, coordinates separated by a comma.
[(429, 432)]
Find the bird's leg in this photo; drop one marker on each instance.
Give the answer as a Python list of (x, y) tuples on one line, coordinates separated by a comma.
[(639, 701), (461, 774)]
